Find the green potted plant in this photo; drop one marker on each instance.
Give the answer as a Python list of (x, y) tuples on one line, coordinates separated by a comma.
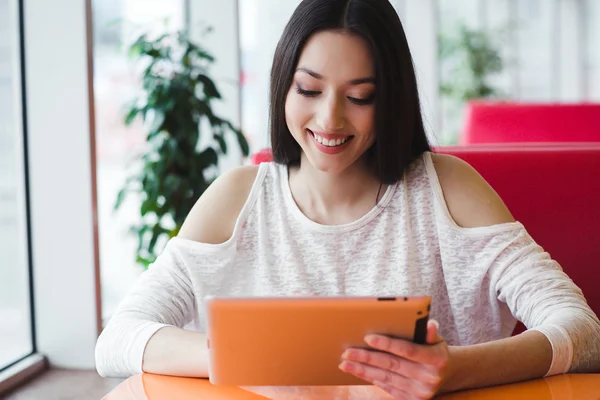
[(176, 107), (468, 59), (472, 57)]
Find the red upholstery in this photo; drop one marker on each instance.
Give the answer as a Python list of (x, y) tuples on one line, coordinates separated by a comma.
[(554, 191), (489, 122), (261, 156)]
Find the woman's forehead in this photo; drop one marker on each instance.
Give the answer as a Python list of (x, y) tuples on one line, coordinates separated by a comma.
[(339, 55)]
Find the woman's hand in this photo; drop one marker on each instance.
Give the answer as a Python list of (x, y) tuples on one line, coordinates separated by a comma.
[(403, 369)]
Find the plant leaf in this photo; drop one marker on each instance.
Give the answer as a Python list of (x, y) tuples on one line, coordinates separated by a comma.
[(157, 121), (242, 141), (208, 87), (120, 197), (145, 262), (208, 157), (146, 207), (221, 141), (131, 115), (157, 231)]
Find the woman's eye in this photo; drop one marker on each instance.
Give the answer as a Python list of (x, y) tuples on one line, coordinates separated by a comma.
[(362, 102), (355, 100), (306, 93)]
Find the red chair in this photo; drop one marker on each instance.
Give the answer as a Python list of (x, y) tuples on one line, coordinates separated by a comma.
[(264, 155), (492, 122), (554, 191)]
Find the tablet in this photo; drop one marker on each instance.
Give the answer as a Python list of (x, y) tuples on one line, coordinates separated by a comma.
[(298, 341)]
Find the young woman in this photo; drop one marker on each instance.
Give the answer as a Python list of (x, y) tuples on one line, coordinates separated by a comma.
[(357, 204)]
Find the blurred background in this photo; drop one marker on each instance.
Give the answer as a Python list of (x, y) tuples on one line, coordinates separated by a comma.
[(546, 53), (71, 72)]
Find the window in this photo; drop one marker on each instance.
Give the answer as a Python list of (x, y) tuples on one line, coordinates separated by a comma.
[(16, 327), (116, 23), (591, 83)]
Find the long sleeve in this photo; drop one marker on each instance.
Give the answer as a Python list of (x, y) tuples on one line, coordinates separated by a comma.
[(545, 299), (162, 296)]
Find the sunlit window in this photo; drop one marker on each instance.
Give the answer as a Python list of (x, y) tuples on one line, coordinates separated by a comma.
[(15, 306), (116, 78)]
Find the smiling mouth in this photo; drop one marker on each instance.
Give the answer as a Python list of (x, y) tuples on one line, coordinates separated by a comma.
[(330, 142)]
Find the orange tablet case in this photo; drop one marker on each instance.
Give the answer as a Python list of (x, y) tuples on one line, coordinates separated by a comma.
[(268, 341)]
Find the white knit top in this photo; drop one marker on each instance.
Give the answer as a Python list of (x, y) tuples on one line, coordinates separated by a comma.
[(406, 245)]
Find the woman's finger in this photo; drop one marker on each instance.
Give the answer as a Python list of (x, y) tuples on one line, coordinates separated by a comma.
[(433, 332), (372, 374), (390, 362), (419, 353)]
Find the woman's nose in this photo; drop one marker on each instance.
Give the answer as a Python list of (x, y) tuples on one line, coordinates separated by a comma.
[(331, 115)]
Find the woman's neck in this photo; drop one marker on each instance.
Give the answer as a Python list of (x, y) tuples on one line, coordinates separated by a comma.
[(334, 198)]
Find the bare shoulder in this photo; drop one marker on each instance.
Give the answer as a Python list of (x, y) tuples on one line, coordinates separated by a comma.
[(471, 201), (213, 217)]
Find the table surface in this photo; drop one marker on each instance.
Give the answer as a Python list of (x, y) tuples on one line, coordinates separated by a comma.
[(155, 387)]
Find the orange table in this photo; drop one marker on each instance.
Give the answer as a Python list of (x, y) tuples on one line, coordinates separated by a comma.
[(157, 387)]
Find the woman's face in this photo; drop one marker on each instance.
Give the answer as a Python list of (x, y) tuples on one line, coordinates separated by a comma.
[(330, 106)]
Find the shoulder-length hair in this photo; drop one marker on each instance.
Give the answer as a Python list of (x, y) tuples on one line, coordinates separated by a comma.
[(399, 133)]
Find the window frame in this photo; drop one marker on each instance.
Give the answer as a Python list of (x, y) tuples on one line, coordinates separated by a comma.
[(56, 83), (31, 363)]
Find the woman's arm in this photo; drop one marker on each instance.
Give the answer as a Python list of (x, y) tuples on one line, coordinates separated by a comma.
[(146, 334), (533, 286), (162, 296), (175, 351), (523, 357)]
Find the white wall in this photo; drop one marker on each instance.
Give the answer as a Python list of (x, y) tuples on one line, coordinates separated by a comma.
[(261, 24), (591, 12), (570, 54), (223, 44), (62, 212), (420, 25)]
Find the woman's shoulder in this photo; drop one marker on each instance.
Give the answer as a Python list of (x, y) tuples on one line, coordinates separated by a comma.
[(470, 200), (213, 217)]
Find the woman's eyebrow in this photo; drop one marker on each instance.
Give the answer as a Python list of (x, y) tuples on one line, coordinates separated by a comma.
[(316, 75)]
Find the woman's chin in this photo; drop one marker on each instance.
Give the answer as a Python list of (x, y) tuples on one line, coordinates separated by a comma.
[(328, 163)]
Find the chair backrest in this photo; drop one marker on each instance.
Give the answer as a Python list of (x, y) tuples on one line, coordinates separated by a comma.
[(494, 122), (264, 155), (554, 191)]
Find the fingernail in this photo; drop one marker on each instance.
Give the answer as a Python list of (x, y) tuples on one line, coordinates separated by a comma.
[(345, 366), (371, 340), (434, 322)]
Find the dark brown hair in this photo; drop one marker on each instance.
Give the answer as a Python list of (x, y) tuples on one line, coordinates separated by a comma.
[(399, 133)]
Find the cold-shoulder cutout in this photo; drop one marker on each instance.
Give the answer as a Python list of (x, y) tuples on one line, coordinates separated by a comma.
[(469, 200), (215, 215)]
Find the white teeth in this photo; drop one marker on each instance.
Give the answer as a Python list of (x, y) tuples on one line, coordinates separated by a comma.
[(330, 143)]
